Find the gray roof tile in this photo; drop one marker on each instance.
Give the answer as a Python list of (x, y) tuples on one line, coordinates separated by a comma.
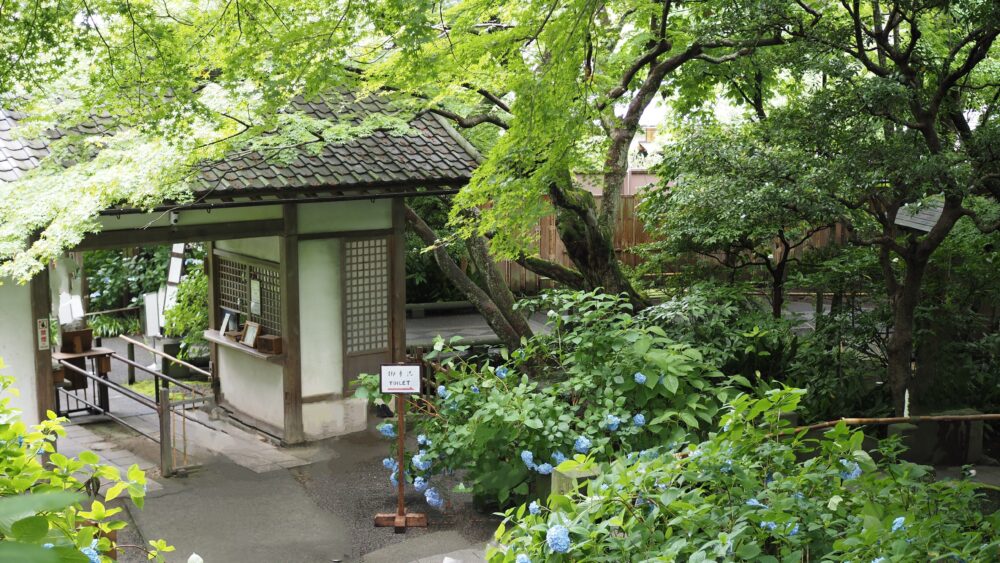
[(428, 154)]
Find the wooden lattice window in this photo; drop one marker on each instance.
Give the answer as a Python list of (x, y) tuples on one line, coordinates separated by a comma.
[(236, 276), (367, 294)]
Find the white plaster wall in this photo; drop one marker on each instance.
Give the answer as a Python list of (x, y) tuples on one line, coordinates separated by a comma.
[(334, 418), (252, 386), (321, 311), (17, 346), (193, 217), (340, 216), (262, 248)]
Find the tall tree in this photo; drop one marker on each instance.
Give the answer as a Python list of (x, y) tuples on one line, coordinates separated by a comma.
[(555, 81), (730, 195)]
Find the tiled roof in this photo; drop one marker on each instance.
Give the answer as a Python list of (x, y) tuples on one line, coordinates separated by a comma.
[(431, 154), (921, 217)]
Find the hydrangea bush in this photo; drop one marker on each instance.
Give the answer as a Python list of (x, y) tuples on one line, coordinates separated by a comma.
[(755, 491), (600, 384), (44, 515)]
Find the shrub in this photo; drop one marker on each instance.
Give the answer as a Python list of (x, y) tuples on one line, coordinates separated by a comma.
[(753, 491), (44, 518), (600, 384), (188, 318)]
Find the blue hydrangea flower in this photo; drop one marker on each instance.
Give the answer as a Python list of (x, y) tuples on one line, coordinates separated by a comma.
[(528, 458), (423, 441), (639, 377), (533, 508), (475, 389), (390, 464), (433, 498), (558, 539), (420, 463), (727, 467), (768, 525), (878, 560), (612, 422), (582, 444), (420, 484), (639, 420), (393, 480), (47, 546), (756, 503), (442, 392), (794, 530), (387, 430), (522, 558), (544, 469), (91, 552), (558, 457), (502, 372), (853, 470), (899, 524)]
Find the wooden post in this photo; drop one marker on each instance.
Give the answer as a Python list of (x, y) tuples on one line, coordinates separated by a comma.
[(290, 329), (166, 447), (397, 282), (400, 520), (131, 368), (41, 308)]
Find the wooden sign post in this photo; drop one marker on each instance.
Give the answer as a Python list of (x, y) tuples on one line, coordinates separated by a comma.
[(401, 380)]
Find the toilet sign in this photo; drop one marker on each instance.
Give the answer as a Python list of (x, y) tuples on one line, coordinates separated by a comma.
[(400, 379)]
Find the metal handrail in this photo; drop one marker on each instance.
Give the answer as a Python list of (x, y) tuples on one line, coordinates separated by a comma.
[(157, 374), (106, 413), (101, 381), (168, 356)]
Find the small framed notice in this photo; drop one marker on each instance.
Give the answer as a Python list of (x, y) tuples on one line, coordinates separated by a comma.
[(43, 334), (250, 333), (401, 379)]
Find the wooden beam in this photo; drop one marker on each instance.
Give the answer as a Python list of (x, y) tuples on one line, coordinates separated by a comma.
[(41, 309), (185, 233), (290, 327), (397, 282)]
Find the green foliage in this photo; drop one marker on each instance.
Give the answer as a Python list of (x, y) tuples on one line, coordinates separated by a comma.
[(188, 318), (583, 373), (425, 283), (40, 494), (754, 491), (118, 278), (110, 325)]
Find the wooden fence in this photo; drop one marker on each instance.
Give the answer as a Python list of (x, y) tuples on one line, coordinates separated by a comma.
[(629, 232)]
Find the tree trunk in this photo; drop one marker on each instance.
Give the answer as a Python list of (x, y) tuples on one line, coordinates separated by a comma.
[(487, 307), (497, 288), (900, 345), (778, 288), (590, 246)]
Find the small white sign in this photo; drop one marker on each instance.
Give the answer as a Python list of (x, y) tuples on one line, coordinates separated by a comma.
[(401, 379), (43, 334)]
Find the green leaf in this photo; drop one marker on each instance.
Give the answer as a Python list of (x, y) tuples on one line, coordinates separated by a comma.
[(30, 529), (533, 423), (17, 507), (671, 383), (14, 552), (689, 419), (89, 458)]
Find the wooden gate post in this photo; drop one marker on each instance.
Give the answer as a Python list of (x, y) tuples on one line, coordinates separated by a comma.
[(166, 447)]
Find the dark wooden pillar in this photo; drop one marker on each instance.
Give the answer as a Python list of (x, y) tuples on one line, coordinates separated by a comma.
[(290, 328), (41, 309), (213, 317), (397, 282)]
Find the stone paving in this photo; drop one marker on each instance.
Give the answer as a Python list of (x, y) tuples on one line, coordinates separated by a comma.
[(79, 438)]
